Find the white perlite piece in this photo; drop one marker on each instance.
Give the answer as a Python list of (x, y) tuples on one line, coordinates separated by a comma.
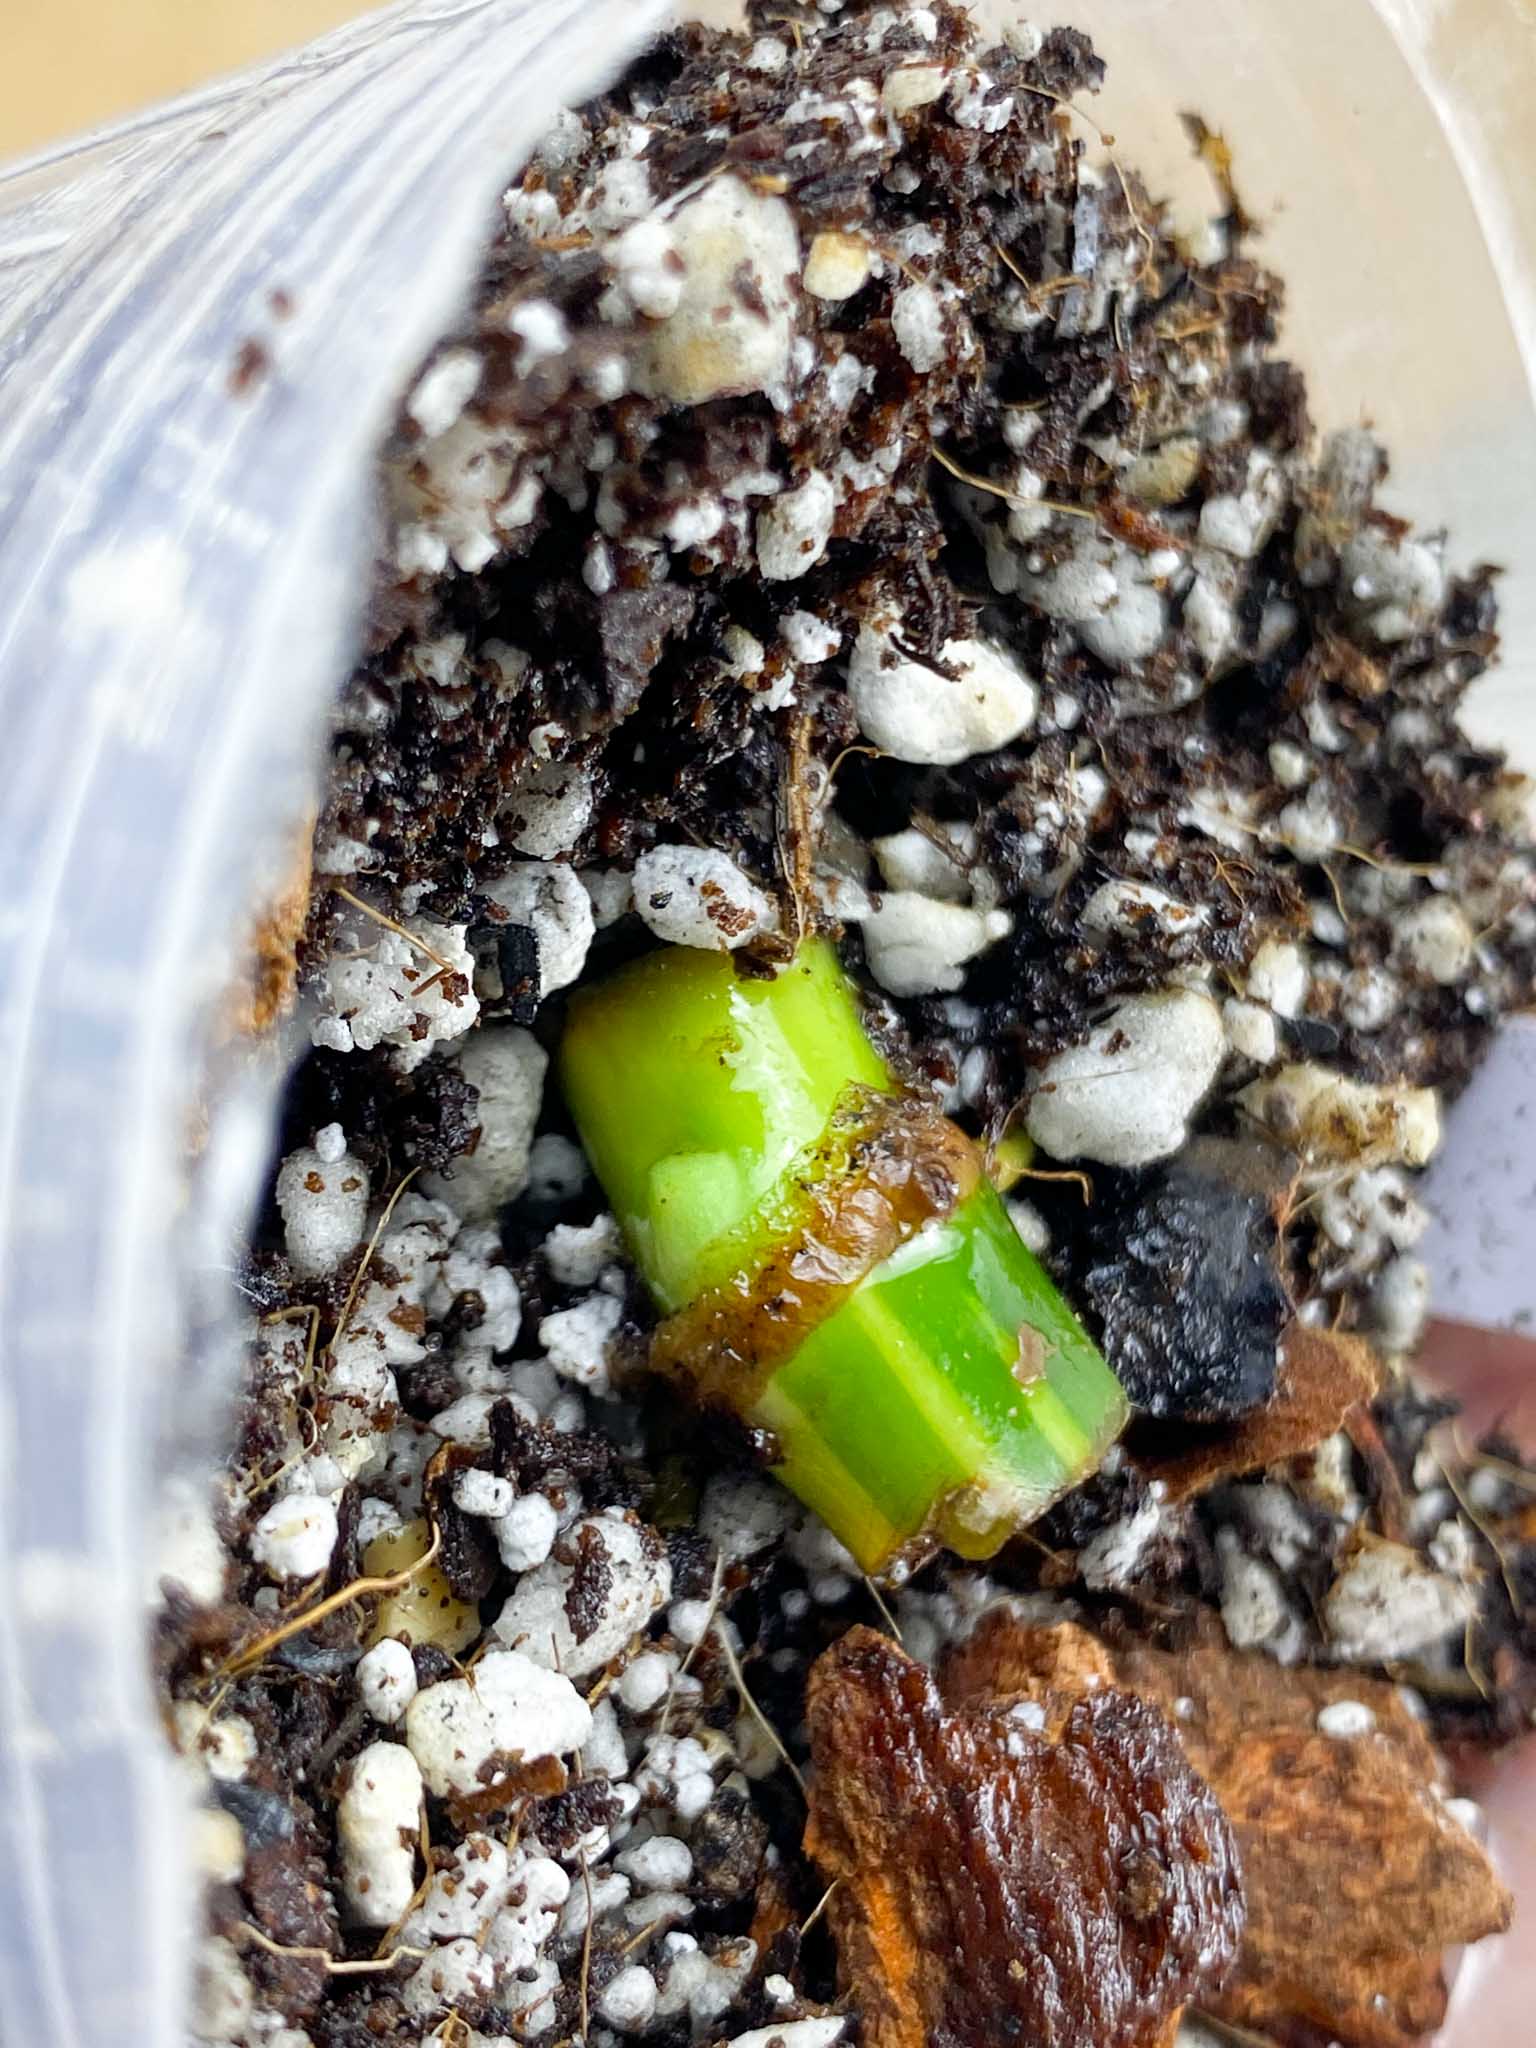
[(525, 1534), (222, 1995), (507, 1065), (917, 946), (224, 1745), (1434, 940), (628, 2001), (1400, 1299), (577, 1339), (697, 896), (483, 1494), (1336, 1121), (1239, 524), (386, 1680), (1345, 1720), (1395, 586), (378, 1823), (1387, 1604), (837, 265), (917, 321), (1124, 909), (324, 1207), (535, 1621), (371, 998), (912, 712), (813, 2033), (645, 261), (793, 530), (444, 389), (809, 639), (716, 343), (1125, 1097), (295, 1537), (1277, 975), (548, 899), (742, 1515), (548, 811), (512, 1707), (1254, 1609), (576, 1253), (910, 860)]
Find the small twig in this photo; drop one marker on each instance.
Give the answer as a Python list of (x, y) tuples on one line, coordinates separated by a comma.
[(366, 1966), (738, 1679)]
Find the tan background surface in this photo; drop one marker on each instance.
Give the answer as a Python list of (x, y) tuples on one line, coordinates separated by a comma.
[(67, 64)]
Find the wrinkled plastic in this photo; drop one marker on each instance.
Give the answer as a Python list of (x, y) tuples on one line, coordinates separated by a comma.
[(206, 318), (181, 565)]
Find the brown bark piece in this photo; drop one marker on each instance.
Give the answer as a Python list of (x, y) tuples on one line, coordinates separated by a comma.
[(1070, 1886), (1357, 1877), (269, 971), (1323, 1375)]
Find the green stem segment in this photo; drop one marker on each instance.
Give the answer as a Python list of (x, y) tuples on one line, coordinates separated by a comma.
[(945, 1393)]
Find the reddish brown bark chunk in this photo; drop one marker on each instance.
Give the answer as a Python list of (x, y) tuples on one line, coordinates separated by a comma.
[(1357, 1876), (1069, 1886)]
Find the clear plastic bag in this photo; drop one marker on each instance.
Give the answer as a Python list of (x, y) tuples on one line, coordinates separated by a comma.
[(206, 317)]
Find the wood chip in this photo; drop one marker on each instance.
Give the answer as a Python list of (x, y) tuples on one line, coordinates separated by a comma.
[(1358, 1878), (1068, 1885), (1323, 1376)]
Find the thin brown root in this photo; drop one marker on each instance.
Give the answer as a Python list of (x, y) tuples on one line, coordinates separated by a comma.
[(392, 924), (1010, 498), (1085, 1185), (1143, 233), (586, 1953), (1338, 893), (261, 1649), (878, 1597), (365, 1966), (715, 1585), (1480, 1524), (1427, 868), (391, 1934), (367, 1260), (738, 1679), (657, 1926), (1070, 106), (819, 1908)]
